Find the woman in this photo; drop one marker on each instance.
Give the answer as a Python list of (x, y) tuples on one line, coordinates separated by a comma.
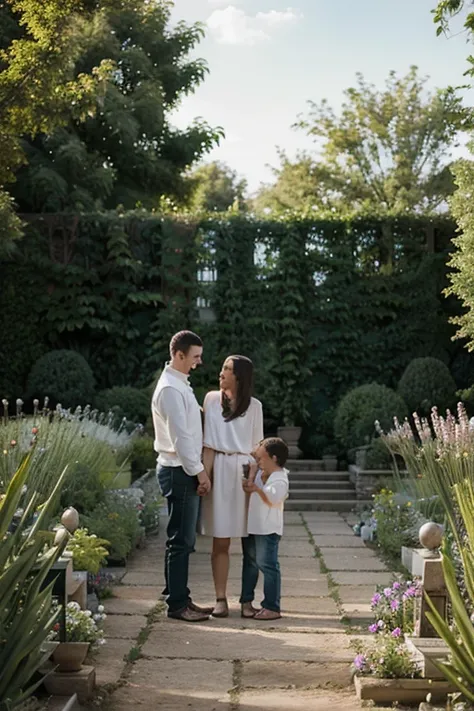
[(233, 427)]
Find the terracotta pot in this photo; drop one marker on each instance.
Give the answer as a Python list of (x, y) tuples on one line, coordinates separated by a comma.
[(291, 436), (69, 656)]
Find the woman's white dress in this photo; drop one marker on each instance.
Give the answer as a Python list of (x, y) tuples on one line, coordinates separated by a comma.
[(224, 510)]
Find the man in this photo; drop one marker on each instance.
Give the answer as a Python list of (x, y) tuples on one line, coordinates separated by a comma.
[(178, 441)]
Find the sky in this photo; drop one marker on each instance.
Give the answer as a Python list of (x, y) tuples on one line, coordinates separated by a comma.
[(267, 60)]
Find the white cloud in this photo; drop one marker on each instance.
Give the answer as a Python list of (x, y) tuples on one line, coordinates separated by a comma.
[(233, 26), (222, 2)]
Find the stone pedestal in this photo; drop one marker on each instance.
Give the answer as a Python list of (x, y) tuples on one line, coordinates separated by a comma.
[(77, 588), (81, 683), (426, 649), (434, 586)]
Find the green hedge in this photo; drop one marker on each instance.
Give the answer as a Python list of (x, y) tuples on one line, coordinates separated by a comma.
[(320, 306)]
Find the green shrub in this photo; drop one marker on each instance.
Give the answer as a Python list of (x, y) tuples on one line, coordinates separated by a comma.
[(84, 489), (378, 456), (425, 383), (354, 424), (64, 376), (124, 401), (142, 456), (116, 520), (88, 552), (397, 523)]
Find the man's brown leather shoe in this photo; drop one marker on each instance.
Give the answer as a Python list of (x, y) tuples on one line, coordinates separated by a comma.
[(188, 615), (198, 608)]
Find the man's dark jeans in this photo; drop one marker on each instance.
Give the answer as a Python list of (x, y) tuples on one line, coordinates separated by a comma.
[(180, 491)]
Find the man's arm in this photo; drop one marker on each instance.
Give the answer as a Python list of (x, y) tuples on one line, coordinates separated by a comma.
[(171, 407)]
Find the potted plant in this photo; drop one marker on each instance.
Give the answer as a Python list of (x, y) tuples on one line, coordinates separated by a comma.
[(89, 552), (83, 631)]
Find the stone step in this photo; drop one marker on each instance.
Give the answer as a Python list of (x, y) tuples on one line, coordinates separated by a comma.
[(323, 484), (324, 504), (305, 464), (316, 477), (317, 494)]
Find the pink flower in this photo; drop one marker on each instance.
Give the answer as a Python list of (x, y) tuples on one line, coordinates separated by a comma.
[(374, 628), (397, 632), (394, 605)]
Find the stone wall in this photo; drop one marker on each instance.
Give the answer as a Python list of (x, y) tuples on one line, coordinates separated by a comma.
[(369, 481)]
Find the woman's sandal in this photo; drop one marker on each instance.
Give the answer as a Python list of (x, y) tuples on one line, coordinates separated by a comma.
[(265, 614), (225, 611), (248, 612)]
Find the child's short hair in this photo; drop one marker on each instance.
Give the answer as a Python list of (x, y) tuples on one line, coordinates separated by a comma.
[(276, 447)]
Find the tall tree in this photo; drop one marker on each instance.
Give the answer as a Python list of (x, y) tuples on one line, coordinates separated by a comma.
[(216, 187), (386, 151), (462, 260), (39, 42), (126, 151)]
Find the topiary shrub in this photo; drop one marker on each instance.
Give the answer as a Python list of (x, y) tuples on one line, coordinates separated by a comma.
[(425, 383), (125, 401), (142, 456), (64, 376), (359, 408)]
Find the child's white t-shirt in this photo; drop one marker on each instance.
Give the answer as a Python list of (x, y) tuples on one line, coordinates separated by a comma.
[(264, 519)]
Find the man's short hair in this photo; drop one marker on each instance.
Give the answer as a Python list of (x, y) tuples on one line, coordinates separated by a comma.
[(276, 447), (182, 341)]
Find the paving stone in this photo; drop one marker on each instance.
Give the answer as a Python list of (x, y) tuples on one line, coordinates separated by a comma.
[(348, 561), (295, 531), (282, 700), (189, 685), (299, 674), (362, 578), (144, 577), (195, 642), (109, 661), (356, 593), (342, 541), (329, 528), (123, 626), (296, 548)]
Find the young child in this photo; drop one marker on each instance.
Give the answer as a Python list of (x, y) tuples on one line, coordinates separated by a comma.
[(268, 492)]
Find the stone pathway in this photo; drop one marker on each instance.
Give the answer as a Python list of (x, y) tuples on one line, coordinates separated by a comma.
[(300, 662)]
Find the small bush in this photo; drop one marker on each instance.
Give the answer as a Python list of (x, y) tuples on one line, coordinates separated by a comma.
[(378, 456), (84, 489), (142, 456), (128, 402), (354, 424), (64, 376), (116, 520), (397, 523), (425, 383)]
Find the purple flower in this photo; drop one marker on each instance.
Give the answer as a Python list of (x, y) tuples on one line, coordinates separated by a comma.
[(397, 632), (394, 605), (374, 628), (359, 662), (396, 586), (376, 599), (387, 592), (410, 592)]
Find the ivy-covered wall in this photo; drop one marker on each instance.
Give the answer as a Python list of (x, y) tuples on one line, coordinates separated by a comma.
[(319, 306)]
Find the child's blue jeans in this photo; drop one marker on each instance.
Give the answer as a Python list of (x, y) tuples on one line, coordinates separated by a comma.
[(261, 554)]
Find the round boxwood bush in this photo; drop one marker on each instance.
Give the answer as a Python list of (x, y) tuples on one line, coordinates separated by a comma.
[(427, 382), (64, 376), (125, 401), (359, 408)]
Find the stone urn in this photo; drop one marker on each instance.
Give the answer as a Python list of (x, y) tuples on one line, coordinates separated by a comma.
[(291, 436), (70, 656)]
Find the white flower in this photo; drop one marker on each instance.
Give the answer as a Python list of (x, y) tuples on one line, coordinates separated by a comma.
[(101, 608), (87, 613)]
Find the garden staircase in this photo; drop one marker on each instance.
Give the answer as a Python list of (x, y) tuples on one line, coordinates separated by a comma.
[(314, 489)]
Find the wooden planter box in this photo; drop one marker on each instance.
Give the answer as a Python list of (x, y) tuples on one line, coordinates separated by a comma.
[(409, 691)]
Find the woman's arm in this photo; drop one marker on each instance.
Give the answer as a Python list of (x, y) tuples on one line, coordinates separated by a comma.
[(208, 456)]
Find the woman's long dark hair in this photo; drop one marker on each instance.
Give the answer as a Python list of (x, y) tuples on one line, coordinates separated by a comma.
[(243, 371)]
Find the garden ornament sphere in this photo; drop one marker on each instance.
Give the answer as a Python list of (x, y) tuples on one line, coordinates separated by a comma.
[(431, 535), (70, 519), (61, 537)]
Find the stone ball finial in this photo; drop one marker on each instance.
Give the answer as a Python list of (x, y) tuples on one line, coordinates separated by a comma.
[(431, 535), (70, 519)]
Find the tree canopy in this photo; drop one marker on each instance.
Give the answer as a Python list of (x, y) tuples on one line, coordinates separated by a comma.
[(216, 187), (124, 151), (385, 151)]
